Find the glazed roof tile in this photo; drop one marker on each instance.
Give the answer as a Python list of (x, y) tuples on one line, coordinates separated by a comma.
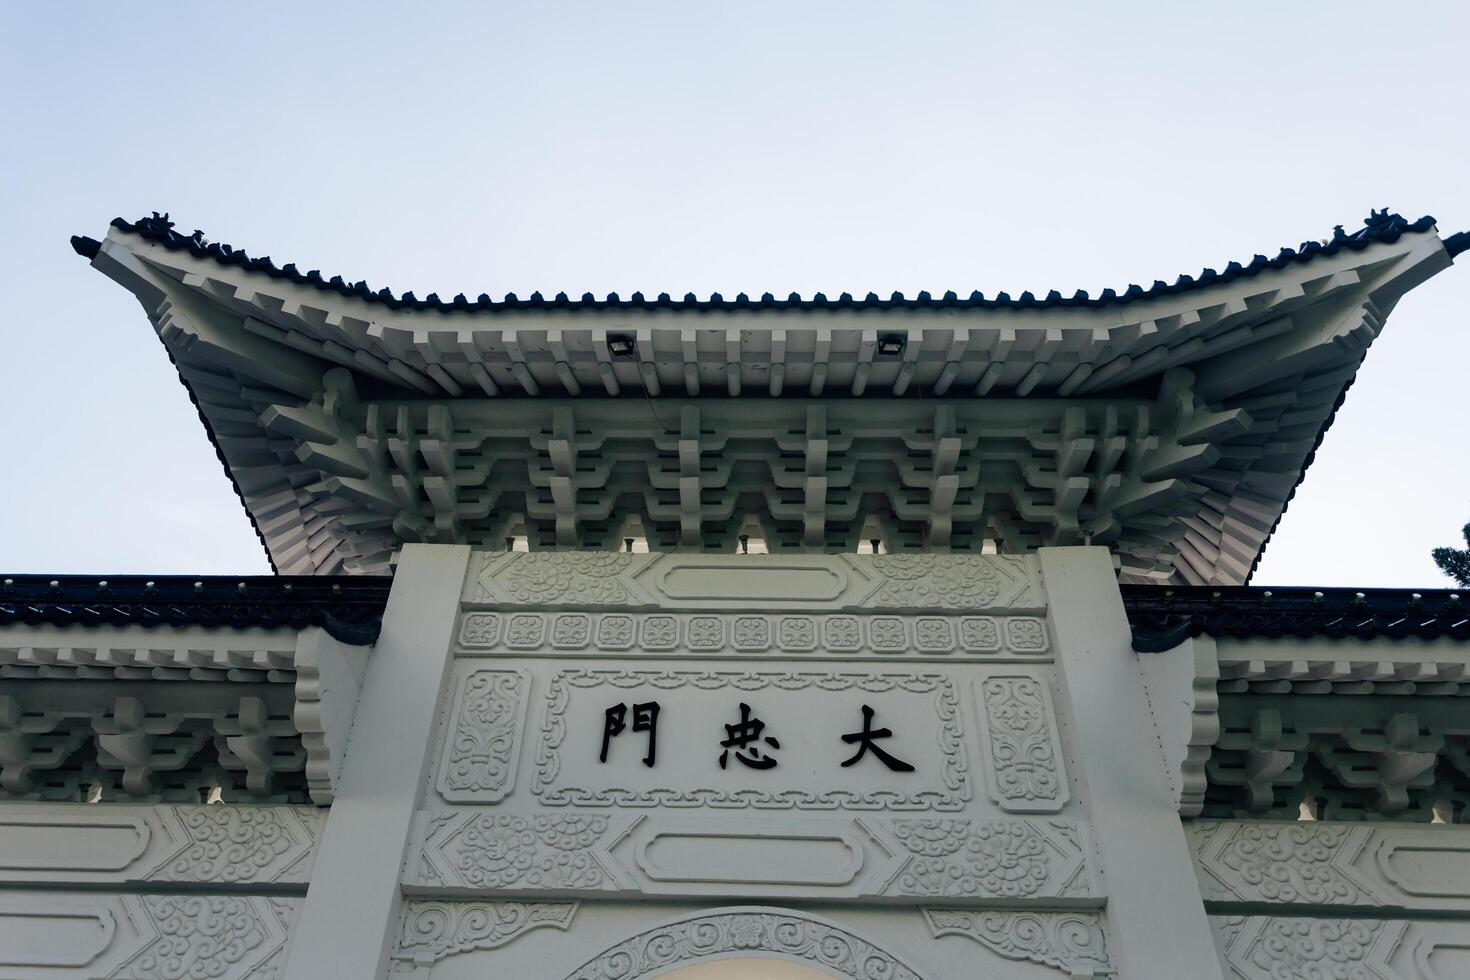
[(1164, 617), (349, 608)]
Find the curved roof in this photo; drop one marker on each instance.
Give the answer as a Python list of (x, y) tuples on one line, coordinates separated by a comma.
[(1171, 423), (1380, 226)]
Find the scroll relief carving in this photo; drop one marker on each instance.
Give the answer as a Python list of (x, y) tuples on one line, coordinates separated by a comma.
[(243, 844), (1008, 859), (224, 938), (942, 784), (949, 581), (723, 934), (479, 761), (497, 850), (1026, 772), (556, 577), (1073, 942), (434, 930), (225, 843), (572, 632), (918, 581), (1268, 948), (1279, 861)]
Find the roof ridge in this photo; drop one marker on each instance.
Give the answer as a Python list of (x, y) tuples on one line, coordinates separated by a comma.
[(1381, 226)]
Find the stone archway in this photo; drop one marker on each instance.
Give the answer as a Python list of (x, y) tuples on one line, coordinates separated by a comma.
[(744, 931)]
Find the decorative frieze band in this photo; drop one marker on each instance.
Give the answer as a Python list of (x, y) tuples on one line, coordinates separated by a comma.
[(483, 851), (1269, 948), (143, 937), (906, 582), (1315, 863), (221, 844), (496, 633)]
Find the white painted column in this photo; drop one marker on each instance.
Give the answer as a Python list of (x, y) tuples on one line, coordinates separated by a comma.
[(1155, 914), (353, 905)]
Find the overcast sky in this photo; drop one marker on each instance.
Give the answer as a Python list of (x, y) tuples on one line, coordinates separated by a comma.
[(695, 147)]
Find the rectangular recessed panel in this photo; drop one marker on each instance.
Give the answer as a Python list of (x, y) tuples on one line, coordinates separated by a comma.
[(75, 843), (750, 859), (767, 581)]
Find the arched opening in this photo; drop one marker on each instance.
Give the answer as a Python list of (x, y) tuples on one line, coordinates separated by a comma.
[(745, 943), (747, 968)]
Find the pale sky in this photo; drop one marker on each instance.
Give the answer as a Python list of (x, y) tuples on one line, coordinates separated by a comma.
[(694, 147)]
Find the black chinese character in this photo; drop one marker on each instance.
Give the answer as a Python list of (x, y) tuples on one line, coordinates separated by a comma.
[(866, 739), (645, 719), (740, 738)]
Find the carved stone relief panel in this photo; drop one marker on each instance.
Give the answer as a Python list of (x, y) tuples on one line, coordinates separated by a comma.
[(489, 711), (707, 582), (1073, 942), (813, 760), (1270, 948), (490, 634), (1024, 770), (1315, 863), (224, 843), (79, 936), (434, 930), (1015, 860), (783, 933)]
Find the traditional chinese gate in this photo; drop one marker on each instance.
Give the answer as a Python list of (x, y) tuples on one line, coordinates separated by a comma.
[(597, 762)]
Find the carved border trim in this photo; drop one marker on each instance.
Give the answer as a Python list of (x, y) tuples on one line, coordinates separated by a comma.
[(494, 633), (720, 933), (954, 771)]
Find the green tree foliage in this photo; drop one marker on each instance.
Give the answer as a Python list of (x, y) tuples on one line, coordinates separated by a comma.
[(1455, 562)]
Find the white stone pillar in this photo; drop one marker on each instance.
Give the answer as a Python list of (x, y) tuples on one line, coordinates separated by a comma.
[(352, 907), (1155, 914)]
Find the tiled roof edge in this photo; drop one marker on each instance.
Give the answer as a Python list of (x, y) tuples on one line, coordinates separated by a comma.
[(348, 607), (1162, 617), (1380, 226)]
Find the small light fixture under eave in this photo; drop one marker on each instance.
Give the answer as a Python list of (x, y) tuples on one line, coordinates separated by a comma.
[(621, 344), (891, 344)]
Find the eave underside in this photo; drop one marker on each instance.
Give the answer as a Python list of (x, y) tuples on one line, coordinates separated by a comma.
[(1173, 431)]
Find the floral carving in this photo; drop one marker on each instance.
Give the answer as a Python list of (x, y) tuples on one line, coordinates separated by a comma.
[(752, 633), (480, 630), (1025, 773), (797, 634), (503, 851), (204, 937), (615, 632), (1073, 942), (660, 633), (717, 935), (934, 635), (1025, 634), (571, 631), (581, 578), (842, 633), (937, 581), (434, 930), (706, 633), (979, 634), (887, 634), (1006, 858), (479, 763), (525, 631)]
